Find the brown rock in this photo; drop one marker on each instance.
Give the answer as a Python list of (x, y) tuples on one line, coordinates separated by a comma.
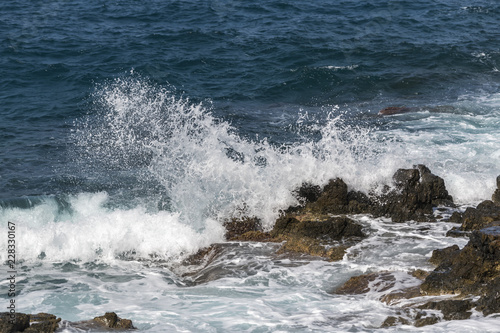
[(237, 227), (9, 324), (333, 198), (111, 320), (361, 284), (475, 270)]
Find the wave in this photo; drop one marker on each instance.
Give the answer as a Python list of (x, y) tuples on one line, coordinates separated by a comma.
[(195, 170)]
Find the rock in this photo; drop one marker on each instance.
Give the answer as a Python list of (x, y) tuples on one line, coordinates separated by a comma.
[(417, 192), (486, 213), (313, 247), (334, 228), (475, 270), (43, 323), (452, 309), (111, 320), (390, 110), (237, 227), (332, 200), (397, 295), (445, 255), (496, 195), (364, 283), (394, 321), (18, 323), (419, 274), (423, 319)]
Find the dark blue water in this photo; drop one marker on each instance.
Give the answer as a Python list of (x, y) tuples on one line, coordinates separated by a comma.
[(243, 57)]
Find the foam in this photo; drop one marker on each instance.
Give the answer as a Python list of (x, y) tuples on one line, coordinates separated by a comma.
[(89, 231)]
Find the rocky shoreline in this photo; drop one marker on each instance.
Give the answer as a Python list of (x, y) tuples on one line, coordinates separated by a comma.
[(463, 281), (49, 323), (321, 227)]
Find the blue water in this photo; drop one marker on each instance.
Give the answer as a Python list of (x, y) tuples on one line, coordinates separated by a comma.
[(160, 120)]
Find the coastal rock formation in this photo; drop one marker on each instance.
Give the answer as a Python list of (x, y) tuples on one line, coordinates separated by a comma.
[(111, 320), (487, 213), (474, 270), (496, 195), (414, 194), (417, 192), (49, 323)]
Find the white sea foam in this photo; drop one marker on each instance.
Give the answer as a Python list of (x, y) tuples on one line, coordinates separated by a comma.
[(210, 173), (91, 231)]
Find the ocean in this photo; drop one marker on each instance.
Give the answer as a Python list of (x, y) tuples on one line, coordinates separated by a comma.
[(129, 132)]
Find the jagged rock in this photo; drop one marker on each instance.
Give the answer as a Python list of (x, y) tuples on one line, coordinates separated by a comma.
[(334, 228), (475, 270), (496, 195), (237, 227), (444, 256), (363, 283), (417, 192), (423, 319), (43, 323), (452, 309), (485, 214), (397, 295), (394, 321), (332, 200), (313, 247), (419, 274), (111, 320), (18, 323)]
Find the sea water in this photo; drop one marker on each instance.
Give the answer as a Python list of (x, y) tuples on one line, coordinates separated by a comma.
[(130, 132)]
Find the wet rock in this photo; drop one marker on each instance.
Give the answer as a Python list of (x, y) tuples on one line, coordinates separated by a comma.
[(313, 247), (394, 321), (397, 295), (444, 256), (486, 213), (361, 284), (496, 195), (316, 235), (417, 192), (111, 320), (333, 198), (43, 323), (390, 110), (237, 227), (424, 318), (419, 274), (475, 270), (452, 309), (18, 323), (334, 228)]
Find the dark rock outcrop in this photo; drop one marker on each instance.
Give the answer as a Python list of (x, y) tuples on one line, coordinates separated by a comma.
[(475, 270), (496, 195), (17, 322), (487, 213), (48, 323), (237, 227), (111, 320), (417, 192)]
